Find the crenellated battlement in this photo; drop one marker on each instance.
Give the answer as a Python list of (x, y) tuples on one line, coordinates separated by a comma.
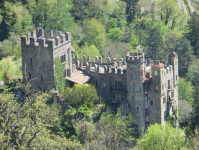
[(135, 57), (37, 38)]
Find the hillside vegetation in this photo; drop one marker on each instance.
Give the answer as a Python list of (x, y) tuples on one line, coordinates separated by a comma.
[(107, 28)]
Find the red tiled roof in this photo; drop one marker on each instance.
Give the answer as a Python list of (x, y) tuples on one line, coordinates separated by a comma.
[(174, 53), (160, 65), (141, 69)]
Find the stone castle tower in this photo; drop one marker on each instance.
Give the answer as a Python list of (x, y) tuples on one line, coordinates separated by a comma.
[(145, 88), (38, 54)]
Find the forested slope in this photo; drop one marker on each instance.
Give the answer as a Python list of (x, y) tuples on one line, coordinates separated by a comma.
[(107, 28)]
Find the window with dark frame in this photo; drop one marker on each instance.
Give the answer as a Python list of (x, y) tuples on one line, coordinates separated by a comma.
[(151, 102)]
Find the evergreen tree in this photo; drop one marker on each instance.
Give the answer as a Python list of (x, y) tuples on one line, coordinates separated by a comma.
[(154, 44), (192, 33)]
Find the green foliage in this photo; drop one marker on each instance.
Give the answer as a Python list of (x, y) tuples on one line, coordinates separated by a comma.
[(59, 79), (86, 50), (188, 131), (16, 19), (154, 44), (59, 18), (161, 137), (185, 56), (134, 40), (172, 119), (192, 32), (170, 13), (115, 34), (113, 131), (29, 125), (13, 68), (6, 77), (80, 94), (185, 90), (95, 34)]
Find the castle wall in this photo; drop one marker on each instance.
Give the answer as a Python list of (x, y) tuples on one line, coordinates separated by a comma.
[(38, 53), (110, 86)]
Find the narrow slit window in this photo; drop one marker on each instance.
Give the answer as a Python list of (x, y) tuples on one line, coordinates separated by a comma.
[(31, 61)]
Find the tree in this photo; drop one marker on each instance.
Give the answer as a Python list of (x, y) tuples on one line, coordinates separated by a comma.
[(131, 9), (170, 13), (13, 68), (185, 55), (186, 90), (193, 75), (192, 32), (161, 137), (59, 18), (95, 34), (86, 50), (16, 19), (154, 44), (80, 94), (113, 131), (115, 34), (29, 124)]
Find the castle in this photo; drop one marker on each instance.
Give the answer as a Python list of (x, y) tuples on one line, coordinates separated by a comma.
[(146, 89)]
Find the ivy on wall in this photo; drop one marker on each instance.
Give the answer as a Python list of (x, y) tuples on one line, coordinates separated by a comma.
[(172, 119), (59, 79)]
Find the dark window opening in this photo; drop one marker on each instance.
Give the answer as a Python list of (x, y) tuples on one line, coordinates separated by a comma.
[(151, 102), (43, 64), (122, 96), (137, 108), (132, 97), (115, 83), (29, 75), (31, 61), (146, 112), (113, 95)]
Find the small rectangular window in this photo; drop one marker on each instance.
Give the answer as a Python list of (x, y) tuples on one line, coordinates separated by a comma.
[(151, 102), (162, 86), (146, 112), (118, 83), (31, 61), (156, 88), (131, 75), (115, 83)]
